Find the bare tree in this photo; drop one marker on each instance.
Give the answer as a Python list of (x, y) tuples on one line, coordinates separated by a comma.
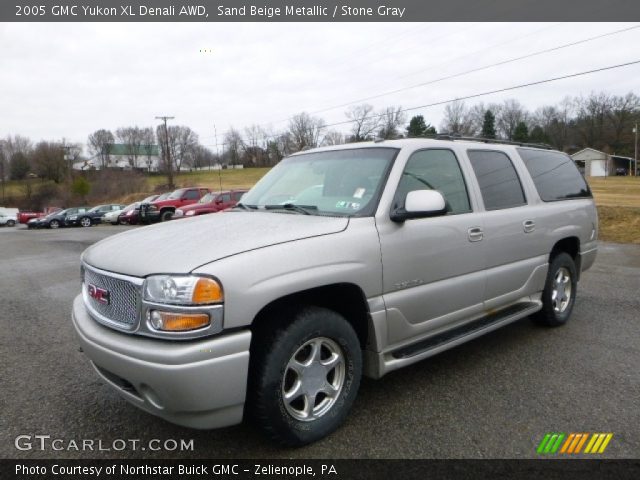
[(132, 138), (591, 118), (623, 113), (511, 113), (233, 144), (457, 119), (100, 144), (364, 122), (391, 118), (254, 146), (333, 137), (48, 159), (186, 142), (305, 131), (148, 144)]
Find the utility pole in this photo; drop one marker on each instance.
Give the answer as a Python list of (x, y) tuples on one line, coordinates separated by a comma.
[(167, 152), (635, 130)]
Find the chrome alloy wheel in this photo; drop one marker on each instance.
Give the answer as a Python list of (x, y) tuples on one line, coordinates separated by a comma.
[(313, 379), (561, 293)]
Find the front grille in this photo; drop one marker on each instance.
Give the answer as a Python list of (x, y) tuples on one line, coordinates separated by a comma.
[(124, 299)]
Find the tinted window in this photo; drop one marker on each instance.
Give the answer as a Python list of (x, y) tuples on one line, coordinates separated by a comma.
[(435, 170), (498, 180), (225, 198), (237, 195), (555, 175), (192, 195)]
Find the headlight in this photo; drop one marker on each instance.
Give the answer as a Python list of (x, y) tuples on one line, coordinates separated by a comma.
[(182, 290), (190, 213)]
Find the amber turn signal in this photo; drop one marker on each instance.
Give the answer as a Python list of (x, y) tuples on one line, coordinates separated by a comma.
[(178, 322), (207, 290)]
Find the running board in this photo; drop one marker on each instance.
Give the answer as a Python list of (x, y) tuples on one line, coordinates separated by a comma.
[(456, 336)]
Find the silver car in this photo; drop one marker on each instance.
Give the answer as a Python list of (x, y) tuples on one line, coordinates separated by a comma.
[(341, 262)]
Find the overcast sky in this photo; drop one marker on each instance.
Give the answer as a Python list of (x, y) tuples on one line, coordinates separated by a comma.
[(68, 80)]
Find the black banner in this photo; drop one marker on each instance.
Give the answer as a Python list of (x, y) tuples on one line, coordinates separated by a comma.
[(318, 10), (338, 469)]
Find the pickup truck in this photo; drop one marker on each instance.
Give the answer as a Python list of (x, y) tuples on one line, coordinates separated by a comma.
[(25, 216), (210, 203), (163, 210), (342, 261)]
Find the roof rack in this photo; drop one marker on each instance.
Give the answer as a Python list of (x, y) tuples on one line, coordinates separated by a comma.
[(455, 136)]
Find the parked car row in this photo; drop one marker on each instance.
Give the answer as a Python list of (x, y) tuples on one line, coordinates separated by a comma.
[(180, 203)]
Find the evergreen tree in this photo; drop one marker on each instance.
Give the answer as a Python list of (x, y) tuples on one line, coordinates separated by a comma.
[(521, 133), (488, 125), (537, 135), (417, 127)]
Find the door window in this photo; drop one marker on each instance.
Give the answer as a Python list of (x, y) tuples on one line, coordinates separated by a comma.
[(498, 180), (192, 195), (435, 169)]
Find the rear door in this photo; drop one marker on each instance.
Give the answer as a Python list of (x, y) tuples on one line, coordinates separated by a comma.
[(512, 234)]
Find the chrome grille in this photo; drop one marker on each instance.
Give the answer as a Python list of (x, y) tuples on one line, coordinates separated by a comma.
[(124, 299)]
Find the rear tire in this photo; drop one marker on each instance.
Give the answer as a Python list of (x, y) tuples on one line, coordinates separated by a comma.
[(85, 222), (304, 375), (11, 223), (559, 294)]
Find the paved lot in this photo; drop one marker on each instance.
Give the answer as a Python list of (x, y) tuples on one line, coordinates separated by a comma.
[(494, 397)]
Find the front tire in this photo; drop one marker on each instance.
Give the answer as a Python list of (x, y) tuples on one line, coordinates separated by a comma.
[(11, 223), (304, 376), (559, 294), (166, 216), (54, 224), (85, 222)]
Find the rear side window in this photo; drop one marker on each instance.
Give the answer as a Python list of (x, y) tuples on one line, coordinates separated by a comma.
[(498, 180), (192, 195), (435, 170), (555, 175)]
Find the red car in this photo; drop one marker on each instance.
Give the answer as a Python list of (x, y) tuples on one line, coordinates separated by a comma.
[(24, 217), (163, 210), (211, 203)]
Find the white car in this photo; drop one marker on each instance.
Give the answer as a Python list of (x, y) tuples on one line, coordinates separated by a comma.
[(8, 220), (111, 217)]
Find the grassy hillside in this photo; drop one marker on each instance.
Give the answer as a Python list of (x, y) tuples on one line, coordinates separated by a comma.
[(617, 198)]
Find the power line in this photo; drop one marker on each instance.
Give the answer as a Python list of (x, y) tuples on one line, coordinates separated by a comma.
[(478, 69), (491, 92), (467, 72)]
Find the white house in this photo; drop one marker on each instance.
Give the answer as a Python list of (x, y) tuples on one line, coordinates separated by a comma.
[(594, 163), (123, 157)]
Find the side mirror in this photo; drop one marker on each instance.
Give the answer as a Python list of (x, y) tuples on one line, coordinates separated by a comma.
[(420, 204)]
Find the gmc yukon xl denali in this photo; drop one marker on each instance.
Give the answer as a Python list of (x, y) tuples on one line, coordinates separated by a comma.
[(341, 262)]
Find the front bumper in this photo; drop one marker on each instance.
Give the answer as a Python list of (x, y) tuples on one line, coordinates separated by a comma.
[(199, 383)]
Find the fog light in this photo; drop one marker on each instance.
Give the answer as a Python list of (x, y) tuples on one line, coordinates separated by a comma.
[(177, 322)]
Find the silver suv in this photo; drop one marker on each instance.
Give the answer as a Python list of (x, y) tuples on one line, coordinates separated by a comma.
[(341, 262)]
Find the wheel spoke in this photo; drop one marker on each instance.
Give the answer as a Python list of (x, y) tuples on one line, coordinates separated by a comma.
[(331, 362), (329, 390), (296, 366), (294, 391), (309, 403)]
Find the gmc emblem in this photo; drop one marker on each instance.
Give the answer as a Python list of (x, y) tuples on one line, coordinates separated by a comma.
[(98, 294)]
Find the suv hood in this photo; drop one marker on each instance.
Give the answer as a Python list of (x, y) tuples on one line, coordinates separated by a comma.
[(184, 245)]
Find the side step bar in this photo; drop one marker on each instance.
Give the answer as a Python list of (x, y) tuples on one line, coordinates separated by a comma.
[(465, 332)]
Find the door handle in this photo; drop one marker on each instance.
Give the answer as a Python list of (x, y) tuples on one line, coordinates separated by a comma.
[(475, 234), (529, 226)]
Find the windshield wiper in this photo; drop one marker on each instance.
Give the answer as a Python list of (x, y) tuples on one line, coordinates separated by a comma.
[(245, 207), (304, 209)]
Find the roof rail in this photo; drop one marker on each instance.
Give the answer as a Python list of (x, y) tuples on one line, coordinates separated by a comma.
[(455, 136)]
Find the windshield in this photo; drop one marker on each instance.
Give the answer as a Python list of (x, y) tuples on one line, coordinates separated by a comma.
[(95, 209), (128, 208), (150, 198), (208, 198), (162, 197), (59, 212), (336, 182), (175, 194)]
